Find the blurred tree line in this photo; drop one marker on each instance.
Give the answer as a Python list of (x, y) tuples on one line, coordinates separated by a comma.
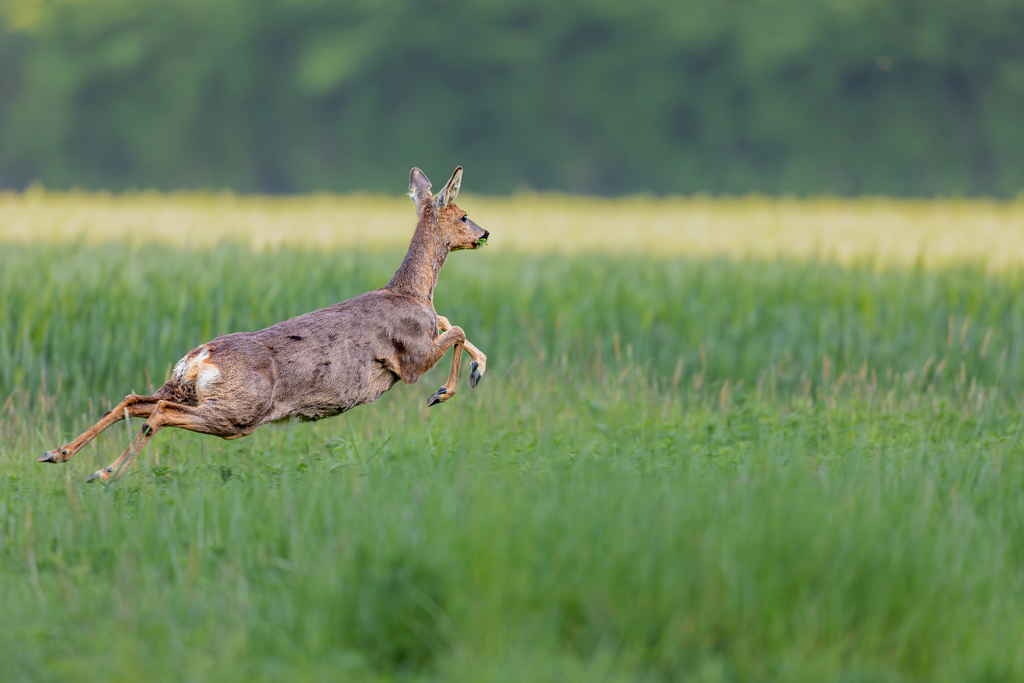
[(903, 97)]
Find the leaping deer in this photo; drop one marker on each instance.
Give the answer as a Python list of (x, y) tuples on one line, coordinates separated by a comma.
[(319, 364)]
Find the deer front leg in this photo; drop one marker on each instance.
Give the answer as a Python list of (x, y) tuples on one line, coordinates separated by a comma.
[(478, 366), (135, 406), (454, 337)]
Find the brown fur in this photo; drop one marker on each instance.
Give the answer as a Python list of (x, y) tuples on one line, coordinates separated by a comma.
[(319, 364)]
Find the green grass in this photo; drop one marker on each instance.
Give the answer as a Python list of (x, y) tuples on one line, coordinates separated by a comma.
[(705, 470)]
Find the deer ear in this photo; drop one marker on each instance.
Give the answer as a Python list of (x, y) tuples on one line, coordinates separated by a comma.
[(450, 191), (419, 188)]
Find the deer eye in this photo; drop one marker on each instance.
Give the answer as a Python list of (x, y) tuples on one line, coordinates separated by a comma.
[(465, 219)]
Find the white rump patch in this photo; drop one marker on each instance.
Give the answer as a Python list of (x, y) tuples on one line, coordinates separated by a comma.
[(178, 374), (207, 373), (192, 369)]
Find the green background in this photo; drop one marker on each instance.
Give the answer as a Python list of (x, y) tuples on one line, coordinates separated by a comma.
[(895, 97)]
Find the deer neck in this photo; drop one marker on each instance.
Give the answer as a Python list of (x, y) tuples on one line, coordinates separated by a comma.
[(417, 275)]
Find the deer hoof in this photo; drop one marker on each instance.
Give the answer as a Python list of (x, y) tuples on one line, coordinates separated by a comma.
[(100, 475), (435, 398), (58, 455), (474, 375)]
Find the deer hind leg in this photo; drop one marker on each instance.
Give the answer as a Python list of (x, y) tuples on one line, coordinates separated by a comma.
[(478, 364), (204, 419), (134, 406), (454, 337)]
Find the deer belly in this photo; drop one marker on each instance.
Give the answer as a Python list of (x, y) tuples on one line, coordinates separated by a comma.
[(327, 393)]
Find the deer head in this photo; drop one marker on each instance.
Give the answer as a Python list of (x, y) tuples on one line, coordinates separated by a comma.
[(452, 223)]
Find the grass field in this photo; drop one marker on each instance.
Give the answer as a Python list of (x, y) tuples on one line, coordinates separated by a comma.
[(769, 441)]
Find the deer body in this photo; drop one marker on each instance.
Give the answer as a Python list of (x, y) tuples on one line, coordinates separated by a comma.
[(314, 366), (319, 364)]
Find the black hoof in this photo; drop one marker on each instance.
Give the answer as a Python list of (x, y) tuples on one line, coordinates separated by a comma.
[(96, 475), (474, 375), (435, 398)]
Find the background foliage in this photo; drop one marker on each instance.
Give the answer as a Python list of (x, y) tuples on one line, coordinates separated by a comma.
[(848, 96)]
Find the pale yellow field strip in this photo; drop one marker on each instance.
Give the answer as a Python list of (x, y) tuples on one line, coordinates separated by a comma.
[(880, 231)]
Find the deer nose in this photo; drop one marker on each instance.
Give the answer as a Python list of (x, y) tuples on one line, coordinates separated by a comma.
[(486, 235)]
